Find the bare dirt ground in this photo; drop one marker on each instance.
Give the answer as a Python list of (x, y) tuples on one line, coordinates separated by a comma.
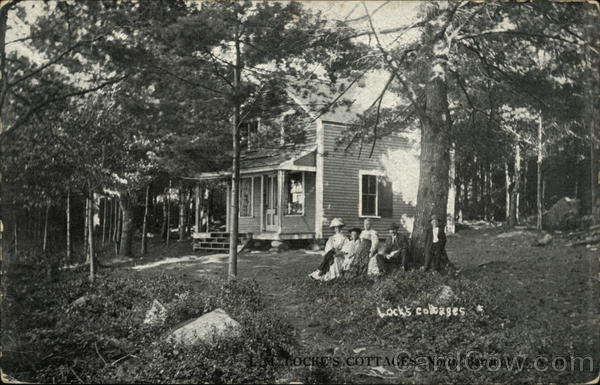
[(552, 289)]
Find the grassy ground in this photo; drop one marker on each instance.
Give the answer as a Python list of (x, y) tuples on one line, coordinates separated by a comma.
[(519, 300), (543, 300)]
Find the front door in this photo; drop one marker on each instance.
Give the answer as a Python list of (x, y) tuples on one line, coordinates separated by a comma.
[(270, 203)]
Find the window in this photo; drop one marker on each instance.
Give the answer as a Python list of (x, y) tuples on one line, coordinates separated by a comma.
[(369, 195), (248, 133), (294, 193), (246, 197), (376, 196)]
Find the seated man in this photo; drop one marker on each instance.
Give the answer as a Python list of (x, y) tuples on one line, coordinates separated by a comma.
[(394, 251)]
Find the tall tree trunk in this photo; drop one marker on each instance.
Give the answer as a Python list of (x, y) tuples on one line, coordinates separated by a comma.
[(86, 229), (182, 214), (104, 217), (485, 194), (115, 235), (507, 193), (235, 175), (539, 175), (163, 226), (516, 185), (16, 238), (3, 74), (594, 176), (68, 213), (168, 201), (525, 204), (91, 233), (451, 206), (109, 203), (197, 221), (45, 242), (145, 225), (118, 227), (127, 226), (432, 196)]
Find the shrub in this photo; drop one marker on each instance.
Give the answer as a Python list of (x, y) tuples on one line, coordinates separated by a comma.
[(48, 339)]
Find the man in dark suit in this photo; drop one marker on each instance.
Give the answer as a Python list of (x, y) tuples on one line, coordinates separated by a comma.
[(435, 244), (394, 251)]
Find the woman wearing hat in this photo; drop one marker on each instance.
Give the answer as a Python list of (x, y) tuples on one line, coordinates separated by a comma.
[(365, 261), (333, 258), (435, 244)]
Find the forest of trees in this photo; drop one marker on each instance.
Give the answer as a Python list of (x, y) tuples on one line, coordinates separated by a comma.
[(122, 102)]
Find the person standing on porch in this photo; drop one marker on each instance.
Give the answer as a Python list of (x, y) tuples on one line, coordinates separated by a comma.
[(334, 245)]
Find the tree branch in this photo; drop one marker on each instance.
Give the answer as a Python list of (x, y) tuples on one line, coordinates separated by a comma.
[(378, 113), (50, 100)]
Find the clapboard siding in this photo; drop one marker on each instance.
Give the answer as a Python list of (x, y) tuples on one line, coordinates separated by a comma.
[(341, 179)]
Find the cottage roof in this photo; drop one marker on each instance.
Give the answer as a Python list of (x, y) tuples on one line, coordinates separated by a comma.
[(280, 158)]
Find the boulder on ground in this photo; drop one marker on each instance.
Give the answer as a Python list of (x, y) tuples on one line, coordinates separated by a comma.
[(563, 215), (156, 315), (445, 295), (82, 301), (545, 240), (202, 329)]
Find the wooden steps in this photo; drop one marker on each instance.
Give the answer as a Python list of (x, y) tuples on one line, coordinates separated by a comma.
[(215, 241)]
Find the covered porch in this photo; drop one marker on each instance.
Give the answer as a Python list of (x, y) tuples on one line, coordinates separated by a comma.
[(277, 195)]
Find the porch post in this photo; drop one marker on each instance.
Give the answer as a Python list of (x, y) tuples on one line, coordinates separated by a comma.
[(319, 183), (280, 183), (262, 203), (228, 211), (197, 213)]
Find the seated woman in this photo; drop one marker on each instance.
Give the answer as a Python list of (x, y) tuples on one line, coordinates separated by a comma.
[(331, 265), (365, 261), (350, 248)]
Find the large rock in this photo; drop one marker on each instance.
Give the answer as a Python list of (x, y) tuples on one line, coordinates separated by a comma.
[(202, 329), (156, 315), (563, 215)]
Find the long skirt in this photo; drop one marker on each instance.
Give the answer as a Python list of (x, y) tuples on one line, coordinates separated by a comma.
[(361, 262), (333, 271)]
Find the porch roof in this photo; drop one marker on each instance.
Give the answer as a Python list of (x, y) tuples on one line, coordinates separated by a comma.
[(297, 158)]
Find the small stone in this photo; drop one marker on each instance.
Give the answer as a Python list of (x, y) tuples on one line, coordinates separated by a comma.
[(545, 240), (80, 301), (156, 315), (445, 295)]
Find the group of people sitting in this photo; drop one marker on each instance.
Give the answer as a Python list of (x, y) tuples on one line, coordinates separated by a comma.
[(362, 253)]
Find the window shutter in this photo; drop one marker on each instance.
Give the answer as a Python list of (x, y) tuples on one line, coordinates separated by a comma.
[(385, 198)]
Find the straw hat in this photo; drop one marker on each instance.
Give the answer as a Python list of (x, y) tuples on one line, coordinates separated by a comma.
[(335, 222)]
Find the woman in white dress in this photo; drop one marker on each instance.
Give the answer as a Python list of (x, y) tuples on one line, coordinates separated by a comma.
[(365, 261), (350, 248), (331, 267)]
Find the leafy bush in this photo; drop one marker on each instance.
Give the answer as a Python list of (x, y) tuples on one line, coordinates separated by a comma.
[(47, 338)]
